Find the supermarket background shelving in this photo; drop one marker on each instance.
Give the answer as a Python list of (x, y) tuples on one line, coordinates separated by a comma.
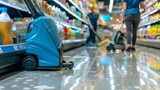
[(149, 5), (21, 16), (23, 10), (150, 23), (150, 13), (149, 28), (15, 9), (73, 3), (63, 7)]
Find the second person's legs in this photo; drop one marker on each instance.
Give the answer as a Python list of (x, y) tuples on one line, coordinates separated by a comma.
[(89, 38), (93, 38), (129, 23)]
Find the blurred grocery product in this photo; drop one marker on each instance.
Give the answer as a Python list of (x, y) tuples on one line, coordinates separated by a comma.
[(6, 27), (149, 27), (154, 6), (149, 19), (150, 32)]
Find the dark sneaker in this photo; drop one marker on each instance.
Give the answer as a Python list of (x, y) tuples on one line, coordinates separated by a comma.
[(128, 49), (133, 49)]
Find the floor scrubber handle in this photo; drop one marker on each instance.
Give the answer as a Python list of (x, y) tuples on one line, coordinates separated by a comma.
[(39, 9), (28, 27), (31, 5)]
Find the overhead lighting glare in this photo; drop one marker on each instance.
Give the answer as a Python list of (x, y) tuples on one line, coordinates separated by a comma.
[(111, 18), (111, 6)]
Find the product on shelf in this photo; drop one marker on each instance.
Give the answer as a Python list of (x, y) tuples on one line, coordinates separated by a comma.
[(22, 21), (17, 3), (152, 8), (58, 14), (73, 9), (150, 19), (5, 27), (158, 37), (149, 25), (150, 32), (19, 35)]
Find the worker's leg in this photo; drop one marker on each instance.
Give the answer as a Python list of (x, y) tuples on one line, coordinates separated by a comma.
[(135, 27), (89, 37), (93, 37), (129, 23)]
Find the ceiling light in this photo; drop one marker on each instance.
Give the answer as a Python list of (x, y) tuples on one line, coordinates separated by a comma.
[(111, 6)]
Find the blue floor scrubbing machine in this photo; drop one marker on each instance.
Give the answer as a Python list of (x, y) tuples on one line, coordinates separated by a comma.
[(44, 48)]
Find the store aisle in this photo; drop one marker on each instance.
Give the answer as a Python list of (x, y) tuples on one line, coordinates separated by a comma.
[(95, 70)]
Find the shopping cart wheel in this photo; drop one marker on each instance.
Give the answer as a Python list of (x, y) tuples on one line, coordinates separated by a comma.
[(30, 63), (72, 65), (109, 48)]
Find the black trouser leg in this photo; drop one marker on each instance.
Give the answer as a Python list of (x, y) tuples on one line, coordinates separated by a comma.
[(93, 38), (90, 36), (132, 22), (88, 39), (135, 27), (129, 23)]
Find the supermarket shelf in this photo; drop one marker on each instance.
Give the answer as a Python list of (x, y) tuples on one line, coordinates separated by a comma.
[(64, 23), (149, 23), (71, 1), (16, 7), (65, 8), (11, 48), (11, 56), (150, 13), (15, 11), (69, 44), (19, 47), (149, 35), (150, 43), (73, 41), (151, 4)]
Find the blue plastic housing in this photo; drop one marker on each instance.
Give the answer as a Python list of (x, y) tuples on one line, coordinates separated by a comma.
[(44, 41)]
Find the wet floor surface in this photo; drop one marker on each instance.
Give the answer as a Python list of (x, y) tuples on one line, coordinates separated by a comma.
[(95, 69)]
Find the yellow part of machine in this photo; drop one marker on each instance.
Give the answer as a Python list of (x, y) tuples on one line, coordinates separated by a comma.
[(104, 42)]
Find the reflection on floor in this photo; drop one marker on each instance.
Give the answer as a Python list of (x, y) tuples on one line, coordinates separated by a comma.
[(95, 69)]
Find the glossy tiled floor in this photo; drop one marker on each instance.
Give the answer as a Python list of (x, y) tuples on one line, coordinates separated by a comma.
[(95, 70)]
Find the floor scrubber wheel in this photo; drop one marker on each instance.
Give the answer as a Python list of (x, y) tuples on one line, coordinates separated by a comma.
[(30, 63)]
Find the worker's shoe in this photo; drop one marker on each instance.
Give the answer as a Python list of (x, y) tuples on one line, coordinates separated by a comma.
[(133, 49), (128, 49)]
